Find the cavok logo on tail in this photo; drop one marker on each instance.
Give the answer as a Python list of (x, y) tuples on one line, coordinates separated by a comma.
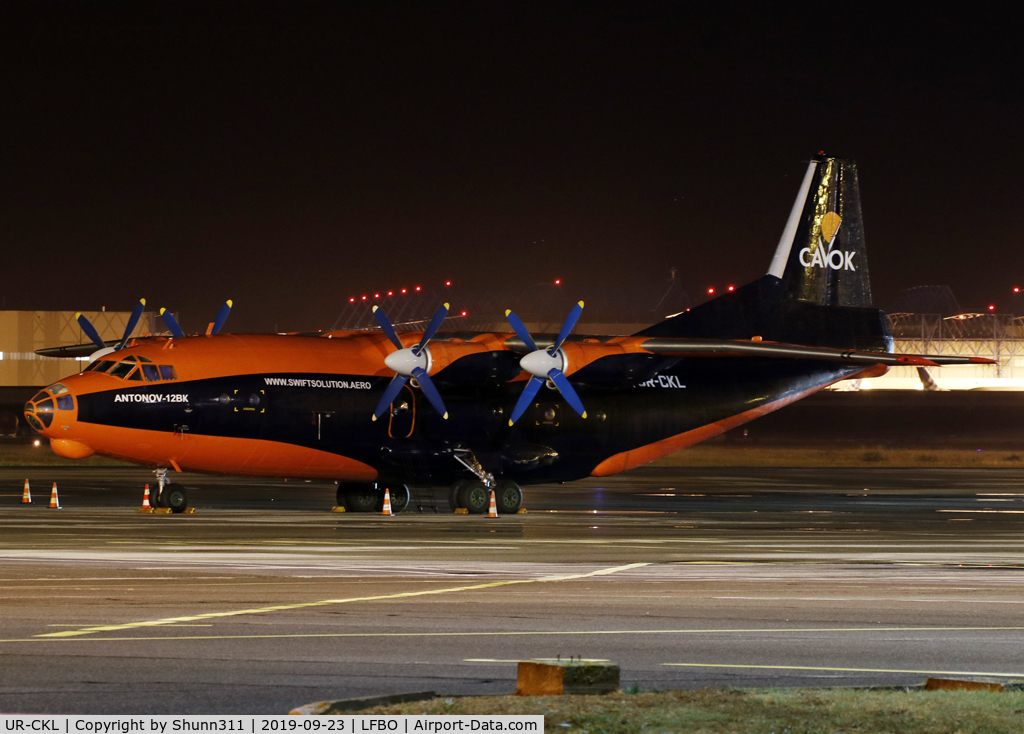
[(834, 259)]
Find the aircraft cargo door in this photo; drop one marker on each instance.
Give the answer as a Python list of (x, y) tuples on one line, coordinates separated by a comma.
[(402, 414)]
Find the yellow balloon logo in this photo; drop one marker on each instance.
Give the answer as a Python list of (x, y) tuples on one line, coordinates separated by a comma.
[(830, 225)]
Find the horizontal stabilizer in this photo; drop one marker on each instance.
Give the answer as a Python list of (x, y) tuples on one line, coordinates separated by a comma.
[(734, 348)]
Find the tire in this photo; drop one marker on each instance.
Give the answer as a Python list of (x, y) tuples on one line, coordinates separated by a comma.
[(455, 494), (362, 498), (474, 497), (508, 498), (155, 496), (174, 497), (400, 498)]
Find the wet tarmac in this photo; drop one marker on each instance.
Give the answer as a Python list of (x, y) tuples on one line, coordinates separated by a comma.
[(264, 600)]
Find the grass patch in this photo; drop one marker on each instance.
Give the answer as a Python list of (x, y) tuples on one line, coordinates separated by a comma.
[(794, 711)]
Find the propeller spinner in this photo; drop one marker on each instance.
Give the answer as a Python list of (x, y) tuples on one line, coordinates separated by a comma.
[(546, 364), (409, 362)]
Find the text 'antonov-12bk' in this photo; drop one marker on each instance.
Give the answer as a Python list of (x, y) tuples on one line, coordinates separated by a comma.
[(383, 409)]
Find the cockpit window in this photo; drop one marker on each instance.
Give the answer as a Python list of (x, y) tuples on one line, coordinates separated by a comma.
[(58, 389), (168, 372), (65, 402), (151, 373), (145, 359), (45, 406), (121, 369), (136, 375), (40, 396), (102, 366)]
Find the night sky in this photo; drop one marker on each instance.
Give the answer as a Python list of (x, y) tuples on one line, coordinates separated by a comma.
[(291, 155)]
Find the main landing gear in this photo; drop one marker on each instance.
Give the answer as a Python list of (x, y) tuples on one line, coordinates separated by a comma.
[(370, 497), (474, 494), (168, 495)]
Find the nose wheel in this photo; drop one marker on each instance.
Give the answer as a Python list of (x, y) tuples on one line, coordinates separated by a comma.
[(168, 495)]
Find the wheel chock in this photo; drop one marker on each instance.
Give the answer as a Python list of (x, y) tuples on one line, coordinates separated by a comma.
[(337, 508), (461, 511)]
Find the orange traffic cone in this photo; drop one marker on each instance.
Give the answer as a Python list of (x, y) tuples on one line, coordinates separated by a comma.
[(26, 496), (387, 502), (492, 511), (54, 501), (145, 501)]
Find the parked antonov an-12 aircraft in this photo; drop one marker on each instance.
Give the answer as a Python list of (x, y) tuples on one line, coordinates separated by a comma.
[(480, 411)]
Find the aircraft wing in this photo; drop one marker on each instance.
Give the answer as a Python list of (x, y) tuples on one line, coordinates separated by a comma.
[(75, 350), (730, 348)]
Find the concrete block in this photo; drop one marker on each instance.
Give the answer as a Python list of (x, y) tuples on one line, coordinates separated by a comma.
[(953, 684), (555, 678)]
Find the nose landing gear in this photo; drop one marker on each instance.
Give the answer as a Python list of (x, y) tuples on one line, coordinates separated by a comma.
[(168, 495)]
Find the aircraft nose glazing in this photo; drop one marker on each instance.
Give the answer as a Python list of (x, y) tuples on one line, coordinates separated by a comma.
[(54, 401)]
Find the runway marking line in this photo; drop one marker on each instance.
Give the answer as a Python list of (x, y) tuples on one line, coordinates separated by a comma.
[(848, 670), (524, 633), (331, 602)]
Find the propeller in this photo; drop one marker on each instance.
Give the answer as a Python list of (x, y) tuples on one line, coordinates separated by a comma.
[(410, 362), (94, 337), (546, 364), (176, 331)]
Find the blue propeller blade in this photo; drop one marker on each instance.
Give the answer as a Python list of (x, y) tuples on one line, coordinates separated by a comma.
[(432, 327), (562, 383), (520, 330), (132, 321), (529, 392), (570, 322), (390, 393), (172, 324), (427, 386), (222, 316), (386, 327), (90, 332)]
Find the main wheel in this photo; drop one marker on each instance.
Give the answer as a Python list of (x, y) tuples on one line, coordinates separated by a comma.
[(455, 494), (508, 498), (474, 497), (400, 497), (174, 497), (362, 497), (155, 497)]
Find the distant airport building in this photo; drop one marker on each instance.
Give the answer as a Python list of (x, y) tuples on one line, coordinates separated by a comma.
[(23, 332), (22, 371)]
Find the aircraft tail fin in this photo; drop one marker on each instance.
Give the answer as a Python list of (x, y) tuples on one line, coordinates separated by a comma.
[(820, 256), (817, 290)]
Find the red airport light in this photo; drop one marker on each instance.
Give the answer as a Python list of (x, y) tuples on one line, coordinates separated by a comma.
[(352, 300), (447, 282), (711, 291), (364, 298), (391, 293), (417, 288), (991, 308), (463, 313), (404, 290), (376, 295), (1016, 290), (732, 288), (558, 281)]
